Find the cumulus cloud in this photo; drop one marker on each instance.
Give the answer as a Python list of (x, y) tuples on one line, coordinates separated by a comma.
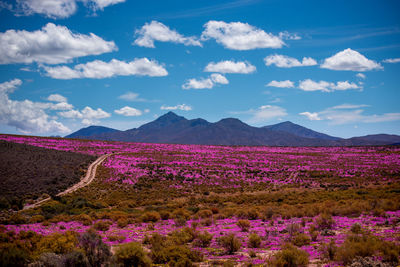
[(310, 85), (99, 69), (52, 45), (283, 61), (281, 84), (156, 31), (59, 9), (240, 36), (128, 111), (348, 113), (27, 116), (229, 66), (10, 86), (312, 116), (183, 107), (57, 98), (349, 59), (88, 115), (218, 78), (391, 60), (198, 84), (205, 83)]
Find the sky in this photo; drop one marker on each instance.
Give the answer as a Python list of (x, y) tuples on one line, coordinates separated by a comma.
[(332, 66)]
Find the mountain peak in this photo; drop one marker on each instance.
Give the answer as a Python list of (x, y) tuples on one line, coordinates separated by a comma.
[(162, 121), (170, 116)]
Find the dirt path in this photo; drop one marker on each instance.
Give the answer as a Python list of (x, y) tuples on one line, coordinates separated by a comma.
[(89, 177)]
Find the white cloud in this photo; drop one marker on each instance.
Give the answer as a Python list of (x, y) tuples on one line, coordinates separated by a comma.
[(156, 31), (312, 116), (49, 8), (57, 98), (264, 113), (205, 83), (349, 106), (131, 96), (310, 85), (52, 45), (10, 86), (59, 9), (198, 84), (229, 66), (361, 75), (101, 4), (240, 36), (128, 111), (28, 116), (218, 78), (285, 35), (348, 113), (391, 60), (281, 84), (349, 59), (88, 115), (283, 61), (99, 69), (183, 107)]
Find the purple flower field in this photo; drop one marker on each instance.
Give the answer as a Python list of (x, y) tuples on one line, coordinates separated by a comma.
[(274, 195)]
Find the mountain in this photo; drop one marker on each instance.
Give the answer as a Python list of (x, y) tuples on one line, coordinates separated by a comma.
[(173, 129), (90, 131), (298, 130)]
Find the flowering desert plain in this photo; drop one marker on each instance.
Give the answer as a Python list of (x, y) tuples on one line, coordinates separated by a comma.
[(185, 205)]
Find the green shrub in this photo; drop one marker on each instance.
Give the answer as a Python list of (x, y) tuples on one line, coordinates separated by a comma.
[(12, 255), (37, 219), (58, 243), (230, 242), (253, 214), (254, 241), (132, 254), (290, 256), (84, 219), (205, 213), (244, 225), (204, 239), (102, 226), (328, 250), (301, 240), (175, 255), (122, 223), (183, 236), (357, 246), (96, 251), (151, 216), (324, 221)]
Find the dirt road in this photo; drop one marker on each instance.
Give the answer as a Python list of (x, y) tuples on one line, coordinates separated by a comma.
[(89, 177)]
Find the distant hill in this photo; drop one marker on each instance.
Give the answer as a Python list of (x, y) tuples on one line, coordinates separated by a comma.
[(91, 130), (173, 129), (298, 130)]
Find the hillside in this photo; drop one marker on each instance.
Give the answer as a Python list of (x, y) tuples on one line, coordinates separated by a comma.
[(29, 171)]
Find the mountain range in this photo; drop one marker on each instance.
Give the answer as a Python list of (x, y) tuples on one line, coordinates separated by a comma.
[(173, 129)]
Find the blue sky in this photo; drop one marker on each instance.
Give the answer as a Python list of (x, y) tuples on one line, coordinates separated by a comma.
[(332, 66)]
